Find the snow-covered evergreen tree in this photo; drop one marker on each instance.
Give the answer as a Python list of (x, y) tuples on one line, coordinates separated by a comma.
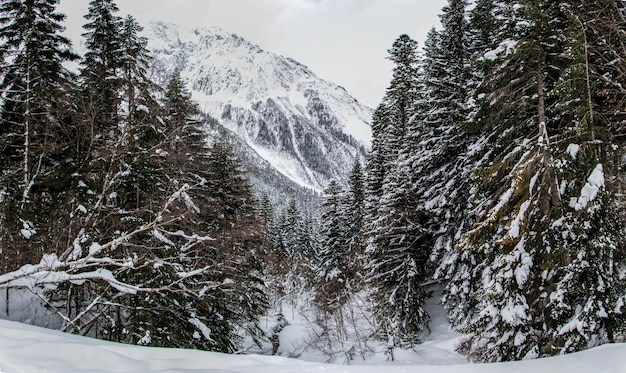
[(447, 142), (542, 167), (136, 88), (378, 158), (399, 263), (334, 277), (355, 224), (100, 67), (397, 229), (34, 87)]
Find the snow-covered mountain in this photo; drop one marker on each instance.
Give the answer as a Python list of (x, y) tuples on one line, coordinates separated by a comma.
[(308, 129)]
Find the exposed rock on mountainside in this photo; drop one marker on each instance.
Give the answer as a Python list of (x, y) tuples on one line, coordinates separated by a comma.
[(308, 129)]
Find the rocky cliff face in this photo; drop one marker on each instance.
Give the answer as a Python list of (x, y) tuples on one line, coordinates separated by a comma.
[(306, 128)]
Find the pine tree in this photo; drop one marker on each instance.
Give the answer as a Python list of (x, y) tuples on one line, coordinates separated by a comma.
[(235, 253), (402, 90), (299, 251), (342, 242), (355, 224), (442, 160), (391, 117), (583, 309), (482, 29), (448, 93), (135, 85), (379, 157), (399, 263)]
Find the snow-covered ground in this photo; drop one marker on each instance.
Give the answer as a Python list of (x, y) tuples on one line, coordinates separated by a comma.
[(29, 349)]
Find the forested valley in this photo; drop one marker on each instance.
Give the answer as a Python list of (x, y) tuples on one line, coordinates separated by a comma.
[(496, 173)]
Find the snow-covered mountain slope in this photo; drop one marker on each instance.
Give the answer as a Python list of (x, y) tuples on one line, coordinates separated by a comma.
[(309, 129), (25, 348)]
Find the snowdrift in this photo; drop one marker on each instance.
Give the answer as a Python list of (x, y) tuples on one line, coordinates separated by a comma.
[(25, 349)]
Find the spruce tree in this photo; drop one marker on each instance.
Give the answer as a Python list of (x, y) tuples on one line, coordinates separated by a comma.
[(355, 224), (402, 90), (544, 185), (379, 156), (391, 117), (399, 263), (33, 89), (228, 213), (334, 276), (448, 75), (439, 150), (135, 85), (100, 67), (397, 236)]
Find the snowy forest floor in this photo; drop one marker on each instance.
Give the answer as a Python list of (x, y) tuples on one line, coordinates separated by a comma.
[(438, 347), (26, 348)]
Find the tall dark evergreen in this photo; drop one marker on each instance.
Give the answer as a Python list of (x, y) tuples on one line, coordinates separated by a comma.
[(356, 213), (397, 230), (454, 68), (33, 99), (399, 263), (448, 92), (342, 243), (379, 156), (334, 277), (235, 255), (542, 178), (136, 88), (100, 67), (437, 151), (402, 91)]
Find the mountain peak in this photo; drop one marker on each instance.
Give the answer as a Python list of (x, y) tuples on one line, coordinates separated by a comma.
[(309, 129)]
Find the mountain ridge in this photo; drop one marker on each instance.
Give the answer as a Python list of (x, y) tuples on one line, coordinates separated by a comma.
[(309, 129)]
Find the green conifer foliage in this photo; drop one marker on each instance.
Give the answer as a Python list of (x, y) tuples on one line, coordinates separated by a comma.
[(334, 276), (548, 177), (100, 66), (33, 88), (399, 263)]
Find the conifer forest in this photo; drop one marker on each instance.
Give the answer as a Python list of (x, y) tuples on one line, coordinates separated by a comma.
[(497, 174)]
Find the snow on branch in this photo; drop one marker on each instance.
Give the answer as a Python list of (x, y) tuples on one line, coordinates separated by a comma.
[(76, 268), (595, 182)]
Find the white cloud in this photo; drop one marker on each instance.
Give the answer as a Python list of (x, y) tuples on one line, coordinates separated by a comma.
[(344, 41)]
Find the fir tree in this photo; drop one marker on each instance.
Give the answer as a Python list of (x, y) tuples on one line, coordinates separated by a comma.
[(355, 224), (334, 276), (379, 157), (533, 235), (135, 85), (398, 257), (33, 88), (399, 263), (402, 90), (101, 64), (442, 161)]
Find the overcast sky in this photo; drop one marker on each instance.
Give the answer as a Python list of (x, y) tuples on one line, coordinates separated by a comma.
[(344, 41)]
